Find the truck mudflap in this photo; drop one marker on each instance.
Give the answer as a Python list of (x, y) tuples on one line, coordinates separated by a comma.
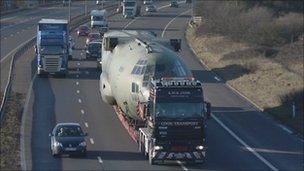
[(186, 157)]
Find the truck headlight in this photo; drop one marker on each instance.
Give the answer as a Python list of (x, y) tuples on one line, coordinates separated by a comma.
[(83, 143), (57, 144), (199, 147), (158, 147)]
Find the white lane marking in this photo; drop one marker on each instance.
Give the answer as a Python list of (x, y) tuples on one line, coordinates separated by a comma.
[(79, 101), (87, 72), (181, 165), (77, 75), (99, 159), (81, 53), (86, 124), (285, 129), (78, 63), (82, 111), (244, 144), (163, 33), (10, 53), (91, 140), (77, 83), (17, 32), (218, 79), (77, 91), (129, 23), (5, 38)]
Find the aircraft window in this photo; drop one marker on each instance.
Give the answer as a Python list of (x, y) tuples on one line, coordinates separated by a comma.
[(143, 69), (135, 88), (138, 70)]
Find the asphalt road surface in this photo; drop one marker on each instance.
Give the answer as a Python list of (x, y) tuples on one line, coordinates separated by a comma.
[(239, 137)]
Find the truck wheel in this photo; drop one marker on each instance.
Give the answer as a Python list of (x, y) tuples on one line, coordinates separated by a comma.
[(55, 155), (151, 160)]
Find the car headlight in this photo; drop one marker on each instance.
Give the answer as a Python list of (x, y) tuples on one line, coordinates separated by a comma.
[(83, 143), (199, 147), (57, 144), (158, 147)]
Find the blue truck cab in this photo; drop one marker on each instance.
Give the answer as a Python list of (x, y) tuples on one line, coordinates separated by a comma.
[(53, 47)]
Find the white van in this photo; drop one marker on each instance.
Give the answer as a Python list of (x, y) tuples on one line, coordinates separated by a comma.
[(99, 19)]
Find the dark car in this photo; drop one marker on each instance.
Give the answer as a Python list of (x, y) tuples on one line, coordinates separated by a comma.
[(93, 50), (68, 138), (151, 8), (83, 30), (93, 37), (174, 4)]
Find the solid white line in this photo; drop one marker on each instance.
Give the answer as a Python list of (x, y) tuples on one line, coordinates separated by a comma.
[(99, 159), (86, 124), (215, 77), (244, 144), (10, 53), (82, 111), (285, 129), (130, 23), (77, 91), (91, 140), (163, 33), (181, 165), (79, 100)]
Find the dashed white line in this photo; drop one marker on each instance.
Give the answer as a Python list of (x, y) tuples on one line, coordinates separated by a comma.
[(17, 32), (77, 83), (12, 35), (5, 38), (99, 159), (77, 75), (86, 124), (79, 101), (78, 63), (77, 91), (244, 144), (91, 140), (82, 111), (218, 79), (181, 165)]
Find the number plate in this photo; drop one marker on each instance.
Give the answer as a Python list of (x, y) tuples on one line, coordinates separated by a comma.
[(70, 149)]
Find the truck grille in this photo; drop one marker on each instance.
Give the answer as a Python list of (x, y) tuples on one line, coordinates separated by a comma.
[(51, 63)]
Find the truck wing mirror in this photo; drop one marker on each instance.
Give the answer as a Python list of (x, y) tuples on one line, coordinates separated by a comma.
[(207, 109), (35, 47)]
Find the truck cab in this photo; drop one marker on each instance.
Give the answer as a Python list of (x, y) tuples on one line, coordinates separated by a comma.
[(99, 19), (130, 8), (53, 47), (176, 120)]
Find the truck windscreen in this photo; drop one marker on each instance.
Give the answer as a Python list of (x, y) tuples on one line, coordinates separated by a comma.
[(178, 110), (129, 4), (97, 18), (51, 50), (43, 27)]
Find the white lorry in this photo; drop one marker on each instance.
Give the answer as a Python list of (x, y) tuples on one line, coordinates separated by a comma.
[(130, 8), (99, 19)]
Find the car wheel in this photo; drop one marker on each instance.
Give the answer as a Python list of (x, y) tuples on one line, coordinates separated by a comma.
[(55, 155)]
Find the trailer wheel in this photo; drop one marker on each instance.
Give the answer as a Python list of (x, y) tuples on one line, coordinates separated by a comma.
[(151, 160)]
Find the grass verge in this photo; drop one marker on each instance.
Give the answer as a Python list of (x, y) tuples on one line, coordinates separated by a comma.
[(10, 133), (271, 79)]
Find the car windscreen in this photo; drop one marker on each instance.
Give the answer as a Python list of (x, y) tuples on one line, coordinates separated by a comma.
[(96, 47), (98, 18), (69, 131)]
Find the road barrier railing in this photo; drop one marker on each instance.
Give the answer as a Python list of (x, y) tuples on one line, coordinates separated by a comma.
[(74, 23)]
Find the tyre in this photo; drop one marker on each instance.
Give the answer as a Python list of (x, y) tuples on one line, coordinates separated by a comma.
[(151, 160), (55, 155)]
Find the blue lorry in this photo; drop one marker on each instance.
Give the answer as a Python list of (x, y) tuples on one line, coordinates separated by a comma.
[(53, 47)]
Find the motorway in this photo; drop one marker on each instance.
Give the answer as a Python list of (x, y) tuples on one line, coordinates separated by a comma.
[(239, 137)]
